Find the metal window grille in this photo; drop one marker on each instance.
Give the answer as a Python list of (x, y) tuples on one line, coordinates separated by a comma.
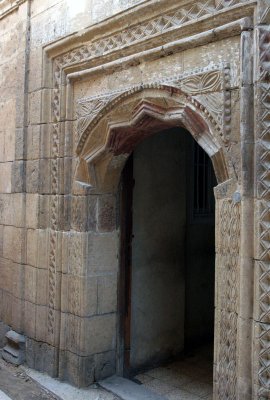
[(203, 182)]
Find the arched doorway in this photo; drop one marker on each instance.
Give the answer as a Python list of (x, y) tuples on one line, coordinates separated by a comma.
[(125, 120), (168, 259)]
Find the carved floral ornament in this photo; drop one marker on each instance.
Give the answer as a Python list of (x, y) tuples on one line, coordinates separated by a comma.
[(110, 126)]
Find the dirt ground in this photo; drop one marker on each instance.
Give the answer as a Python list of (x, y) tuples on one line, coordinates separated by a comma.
[(16, 384)]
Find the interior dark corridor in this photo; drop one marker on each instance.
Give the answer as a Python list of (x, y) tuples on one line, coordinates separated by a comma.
[(168, 252)]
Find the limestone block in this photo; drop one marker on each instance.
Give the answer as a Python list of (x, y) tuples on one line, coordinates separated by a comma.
[(71, 333), (84, 213), (102, 252), (1, 239), (34, 107), (32, 176), (14, 238), (2, 136), (32, 247), (79, 295), (40, 106), (19, 144), (64, 204), (235, 116), (107, 294), (45, 130), (32, 210), (5, 177), (7, 109), (105, 365), (30, 319), (1, 305), (42, 287), (3, 330), (41, 356), (88, 336), (43, 217), (79, 371), (18, 176), (17, 314), (33, 142), (43, 249), (106, 213), (41, 323), (64, 168), (7, 307), (30, 290), (14, 351), (74, 255), (99, 334), (45, 175), (43, 334), (7, 271), (50, 25), (35, 67), (17, 275)]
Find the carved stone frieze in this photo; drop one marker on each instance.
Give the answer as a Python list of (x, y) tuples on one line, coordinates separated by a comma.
[(194, 85), (263, 193), (205, 94), (228, 269)]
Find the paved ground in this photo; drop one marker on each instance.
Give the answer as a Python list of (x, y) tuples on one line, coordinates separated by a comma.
[(188, 379)]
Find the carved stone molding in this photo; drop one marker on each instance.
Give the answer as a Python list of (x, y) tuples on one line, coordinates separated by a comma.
[(207, 92), (228, 270), (263, 194), (213, 108), (213, 81), (8, 6)]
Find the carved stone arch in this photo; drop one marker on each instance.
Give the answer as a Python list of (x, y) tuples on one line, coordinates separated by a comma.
[(113, 124)]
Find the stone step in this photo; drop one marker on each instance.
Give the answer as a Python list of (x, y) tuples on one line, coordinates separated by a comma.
[(128, 390)]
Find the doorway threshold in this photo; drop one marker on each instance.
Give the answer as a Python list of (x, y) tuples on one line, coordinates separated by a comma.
[(128, 390)]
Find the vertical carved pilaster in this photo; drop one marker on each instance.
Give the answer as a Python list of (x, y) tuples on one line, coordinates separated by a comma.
[(228, 298), (262, 231)]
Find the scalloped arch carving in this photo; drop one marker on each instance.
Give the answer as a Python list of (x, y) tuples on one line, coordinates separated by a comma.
[(117, 122)]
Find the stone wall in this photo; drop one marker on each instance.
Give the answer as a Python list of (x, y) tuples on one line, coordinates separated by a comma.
[(75, 82)]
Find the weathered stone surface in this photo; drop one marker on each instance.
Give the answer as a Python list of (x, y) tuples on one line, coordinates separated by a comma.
[(14, 350), (3, 330), (79, 91)]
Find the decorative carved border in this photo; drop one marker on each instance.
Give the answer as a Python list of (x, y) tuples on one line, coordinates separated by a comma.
[(228, 270), (263, 194), (213, 81), (168, 22)]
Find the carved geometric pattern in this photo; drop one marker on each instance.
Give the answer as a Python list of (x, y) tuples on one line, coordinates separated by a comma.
[(264, 361), (53, 230), (264, 291), (215, 78), (264, 11), (158, 25), (132, 35), (228, 263), (263, 193)]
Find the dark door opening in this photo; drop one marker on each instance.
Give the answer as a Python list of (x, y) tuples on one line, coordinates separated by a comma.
[(167, 251)]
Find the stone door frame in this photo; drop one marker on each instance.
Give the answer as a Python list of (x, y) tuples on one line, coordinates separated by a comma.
[(242, 328)]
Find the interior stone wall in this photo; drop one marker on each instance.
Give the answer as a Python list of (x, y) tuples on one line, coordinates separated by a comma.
[(158, 249), (67, 75)]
